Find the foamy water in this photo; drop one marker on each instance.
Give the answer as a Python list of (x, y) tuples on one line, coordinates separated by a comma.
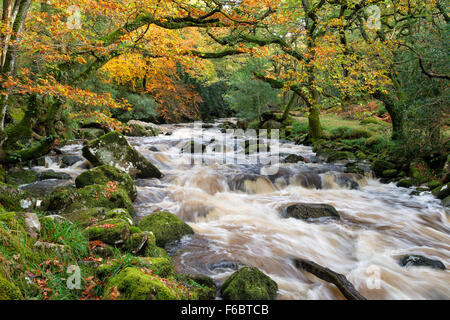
[(235, 213)]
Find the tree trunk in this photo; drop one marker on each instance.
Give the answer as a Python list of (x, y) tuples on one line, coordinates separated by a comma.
[(395, 112)]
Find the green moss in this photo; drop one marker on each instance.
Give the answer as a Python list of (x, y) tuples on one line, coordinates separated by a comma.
[(139, 242), (8, 291), (12, 199), (86, 217), (434, 184), (405, 183), (110, 231), (67, 199), (349, 133), (249, 283), (133, 284), (442, 192), (389, 173), (19, 176), (121, 214), (103, 175), (101, 195), (381, 165), (166, 227)]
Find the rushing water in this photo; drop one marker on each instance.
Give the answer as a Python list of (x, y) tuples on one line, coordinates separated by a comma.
[(235, 213)]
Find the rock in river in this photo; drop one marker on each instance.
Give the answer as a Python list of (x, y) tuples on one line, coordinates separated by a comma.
[(307, 211), (113, 149)]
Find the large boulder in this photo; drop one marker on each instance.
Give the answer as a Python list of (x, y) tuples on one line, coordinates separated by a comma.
[(103, 175), (109, 231), (113, 149), (421, 261), (166, 227), (442, 192), (307, 211), (134, 284), (249, 283), (67, 200), (139, 130)]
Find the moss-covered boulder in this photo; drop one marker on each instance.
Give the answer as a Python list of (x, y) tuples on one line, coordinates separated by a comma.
[(141, 243), (86, 217), (249, 283), (208, 288), (166, 227), (109, 231), (138, 130), (405, 183), (103, 175), (113, 149), (381, 165), (389, 173), (442, 192), (13, 199), (68, 199), (8, 291), (134, 284), (19, 176)]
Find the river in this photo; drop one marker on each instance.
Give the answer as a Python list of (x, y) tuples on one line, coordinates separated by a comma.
[(235, 211)]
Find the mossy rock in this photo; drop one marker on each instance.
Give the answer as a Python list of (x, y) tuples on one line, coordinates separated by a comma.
[(434, 184), (113, 149), (249, 283), (446, 202), (13, 199), (103, 175), (140, 243), (272, 124), (110, 231), (68, 199), (137, 130), (442, 192), (166, 227), (381, 165), (19, 176), (389, 173), (339, 155), (374, 140), (8, 291), (134, 284), (405, 183), (207, 289), (86, 217)]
